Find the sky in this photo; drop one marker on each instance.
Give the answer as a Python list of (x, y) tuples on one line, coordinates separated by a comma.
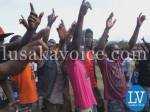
[(125, 11)]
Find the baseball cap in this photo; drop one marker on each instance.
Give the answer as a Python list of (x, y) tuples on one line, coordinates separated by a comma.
[(3, 34)]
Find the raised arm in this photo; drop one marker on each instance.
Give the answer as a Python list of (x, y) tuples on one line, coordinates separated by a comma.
[(51, 19), (140, 20), (65, 35), (31, 25), (104, 38), (78, 30), (62, 33), (46, 31)]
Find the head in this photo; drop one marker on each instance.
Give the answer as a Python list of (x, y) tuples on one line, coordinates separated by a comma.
[(15, 38), (88, 38), (55, 48), (51, 43), (112, 48), (11, 55)]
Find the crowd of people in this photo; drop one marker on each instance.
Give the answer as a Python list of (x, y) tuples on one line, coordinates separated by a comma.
[(37, 74)]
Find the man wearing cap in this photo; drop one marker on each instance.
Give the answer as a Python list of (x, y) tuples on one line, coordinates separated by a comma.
[(3, 83), (16, 66), (2, 36)]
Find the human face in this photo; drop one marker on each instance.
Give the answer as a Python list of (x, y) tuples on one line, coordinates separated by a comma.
[(51, 43), (88, 39), (115, 47), (112, 49)]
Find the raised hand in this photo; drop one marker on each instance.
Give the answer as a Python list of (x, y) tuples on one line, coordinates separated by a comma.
[(23, 22), (72, 28), (110, 22), (51, 18), (133, 40), (84, 7), (140, 19), (62, 32), (34, 20)]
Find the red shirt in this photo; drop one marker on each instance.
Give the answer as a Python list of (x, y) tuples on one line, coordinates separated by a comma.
[(89, 64)]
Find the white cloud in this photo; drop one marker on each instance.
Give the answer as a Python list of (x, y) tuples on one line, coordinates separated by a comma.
[(126, 12)]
